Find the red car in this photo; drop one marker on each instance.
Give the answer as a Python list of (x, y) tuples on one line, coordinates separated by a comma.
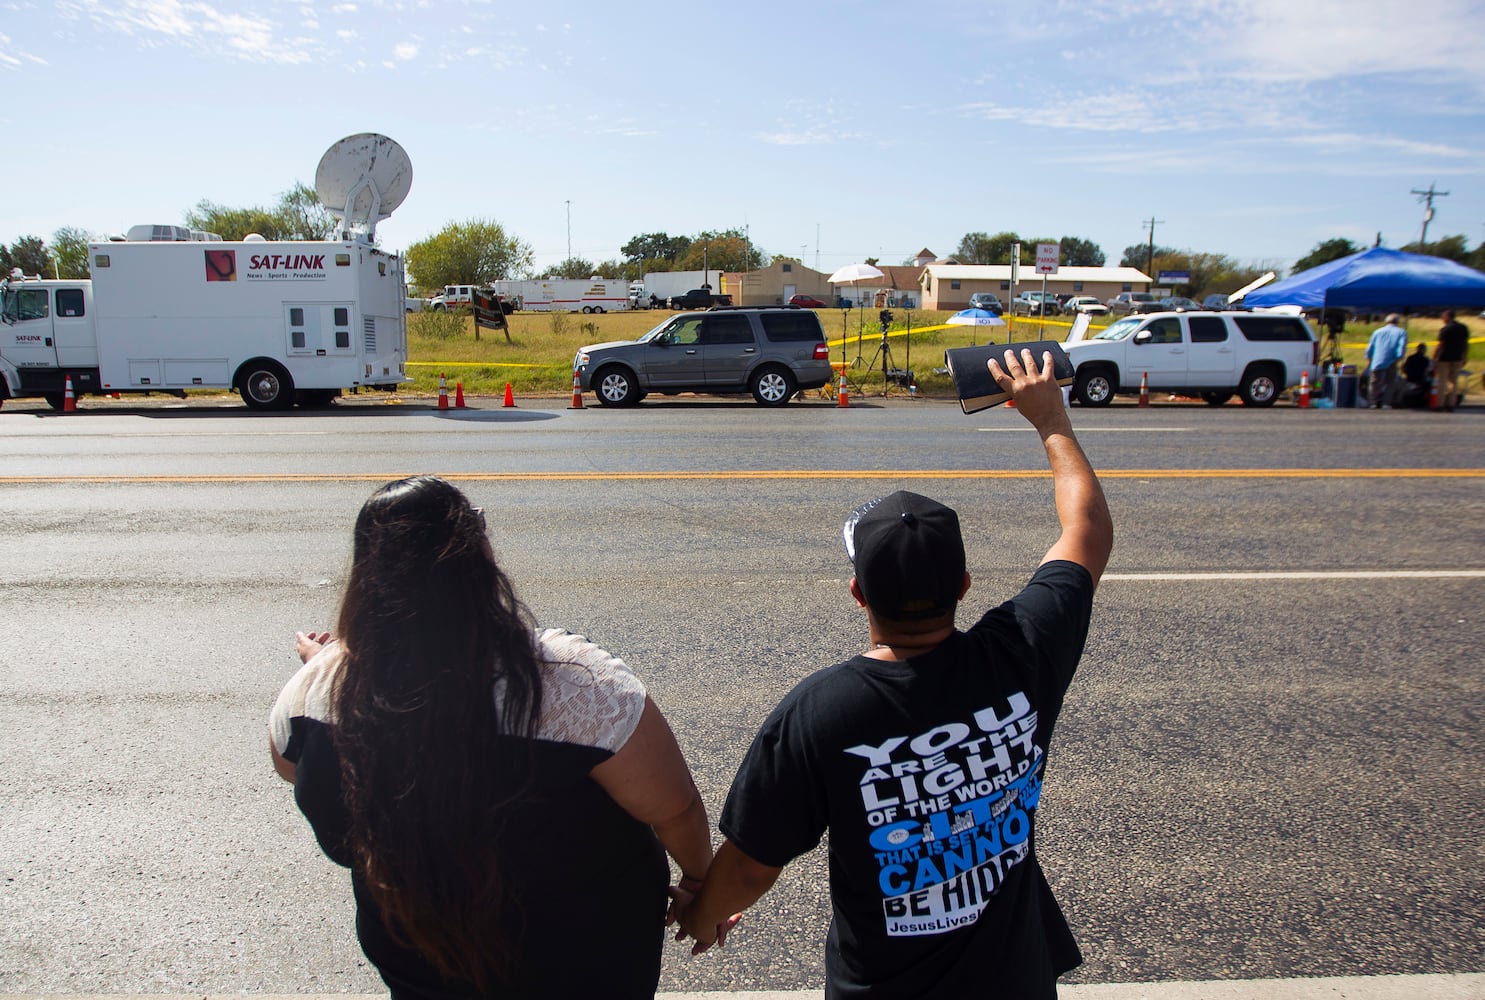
[(807, 301)]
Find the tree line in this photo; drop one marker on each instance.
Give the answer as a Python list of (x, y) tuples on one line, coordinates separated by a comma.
[(480, 251)]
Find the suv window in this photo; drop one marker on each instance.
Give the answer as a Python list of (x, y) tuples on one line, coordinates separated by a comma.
[(723, 329), (684, 331), (1165, 331), (1207, 329), (1273, 328), (791, 326)]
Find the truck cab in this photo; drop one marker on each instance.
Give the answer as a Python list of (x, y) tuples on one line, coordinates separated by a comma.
[(47, 332)]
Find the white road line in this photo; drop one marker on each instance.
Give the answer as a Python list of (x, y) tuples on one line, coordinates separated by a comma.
[(1338, 574), (1441, 986), (1462, 986)]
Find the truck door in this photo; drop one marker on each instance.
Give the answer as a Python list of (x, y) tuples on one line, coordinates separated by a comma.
[(28, 340), (727, 348), (72, 327), (1159, 349), (674, 357), (1213, 360)]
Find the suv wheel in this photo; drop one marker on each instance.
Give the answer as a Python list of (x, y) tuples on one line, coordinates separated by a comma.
[(1094, 387), (1260, 386), (773, 386), (615, 386)]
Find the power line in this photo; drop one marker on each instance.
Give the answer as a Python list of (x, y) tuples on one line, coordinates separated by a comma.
[(1150, 250), (1427, 197)]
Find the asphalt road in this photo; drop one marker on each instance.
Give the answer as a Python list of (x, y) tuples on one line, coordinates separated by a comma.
[(1269, 764)]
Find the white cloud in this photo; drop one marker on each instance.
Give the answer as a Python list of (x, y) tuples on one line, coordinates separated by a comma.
[(195, 24), (405, 51), (813, 137)]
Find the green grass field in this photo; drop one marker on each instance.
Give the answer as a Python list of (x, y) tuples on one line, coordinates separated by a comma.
[(537, 360)]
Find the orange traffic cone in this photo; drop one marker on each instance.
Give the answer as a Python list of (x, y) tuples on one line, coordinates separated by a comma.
[(842, 398), (510, 399), (1304, 390), (443, 393), (577, 392), (69, 401), (458, 395), (1433, 394), (1145, 389)]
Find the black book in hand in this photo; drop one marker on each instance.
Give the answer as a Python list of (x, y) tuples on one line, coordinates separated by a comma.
[(972, 381)]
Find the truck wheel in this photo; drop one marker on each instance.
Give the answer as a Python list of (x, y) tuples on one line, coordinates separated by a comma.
[(264, 385), (1216, 398), (1094, 387), (56, 400), (615, 386), (773, 386), (1260, 386)]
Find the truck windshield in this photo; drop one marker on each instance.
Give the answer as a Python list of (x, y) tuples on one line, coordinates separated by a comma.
[(1119, 330)]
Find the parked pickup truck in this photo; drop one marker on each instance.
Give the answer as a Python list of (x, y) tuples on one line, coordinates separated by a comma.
[(699, 298)]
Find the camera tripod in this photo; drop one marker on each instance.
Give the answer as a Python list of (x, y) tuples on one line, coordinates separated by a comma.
[(890, 372)]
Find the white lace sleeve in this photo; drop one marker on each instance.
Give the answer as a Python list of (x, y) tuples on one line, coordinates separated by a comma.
[(589, 696)]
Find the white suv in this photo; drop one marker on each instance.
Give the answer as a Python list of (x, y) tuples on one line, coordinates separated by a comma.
[(1207, 354)]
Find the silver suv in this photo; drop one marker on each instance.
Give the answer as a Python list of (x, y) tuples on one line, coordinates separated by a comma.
[(772, 353)]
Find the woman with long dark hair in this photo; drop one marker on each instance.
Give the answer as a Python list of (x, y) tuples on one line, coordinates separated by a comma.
[(503, 795)]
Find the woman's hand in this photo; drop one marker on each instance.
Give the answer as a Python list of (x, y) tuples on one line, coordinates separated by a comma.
[(681, 898), (307, 644)]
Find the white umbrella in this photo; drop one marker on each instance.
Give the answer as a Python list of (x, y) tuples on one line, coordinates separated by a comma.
[(852, 273), (975, 317), (849, 275)]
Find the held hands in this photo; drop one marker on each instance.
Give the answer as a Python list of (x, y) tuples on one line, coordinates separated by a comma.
[(680, 911), (307, 644), (1036, 392)]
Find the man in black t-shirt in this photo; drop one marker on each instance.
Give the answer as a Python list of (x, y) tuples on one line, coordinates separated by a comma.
[(924, 755), (1448, 358)]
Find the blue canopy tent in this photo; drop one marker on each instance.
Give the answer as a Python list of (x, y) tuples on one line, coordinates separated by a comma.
[(1376, 280)]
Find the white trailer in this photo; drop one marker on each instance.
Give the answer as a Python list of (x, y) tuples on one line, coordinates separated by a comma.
[(589, 295), (666, 285), (280, 322)]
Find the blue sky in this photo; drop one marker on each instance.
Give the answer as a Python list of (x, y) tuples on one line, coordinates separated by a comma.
[(830, 131)]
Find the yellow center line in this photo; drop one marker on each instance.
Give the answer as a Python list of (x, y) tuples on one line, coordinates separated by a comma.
[(760, 474)]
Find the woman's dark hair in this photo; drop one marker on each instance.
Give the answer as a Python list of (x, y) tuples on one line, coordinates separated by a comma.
[(439, 663)]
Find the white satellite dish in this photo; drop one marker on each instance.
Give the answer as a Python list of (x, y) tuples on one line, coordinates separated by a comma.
[(362, 179)]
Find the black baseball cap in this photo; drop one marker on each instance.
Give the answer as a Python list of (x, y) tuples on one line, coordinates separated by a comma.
[(908, 554)]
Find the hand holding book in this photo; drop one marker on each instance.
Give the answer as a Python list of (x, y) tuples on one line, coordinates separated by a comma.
[(977, 386)]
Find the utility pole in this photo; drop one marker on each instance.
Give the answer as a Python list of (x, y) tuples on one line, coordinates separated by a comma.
[(1150, 249), (1427, 197)]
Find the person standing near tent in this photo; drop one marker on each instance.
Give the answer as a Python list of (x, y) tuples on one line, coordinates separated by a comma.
[(1386, 348), (1448, 357)]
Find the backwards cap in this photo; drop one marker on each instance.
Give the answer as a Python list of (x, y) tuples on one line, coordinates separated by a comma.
[(908, 555)]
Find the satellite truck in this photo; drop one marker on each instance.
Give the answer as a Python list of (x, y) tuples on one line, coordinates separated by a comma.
[(169, 309)]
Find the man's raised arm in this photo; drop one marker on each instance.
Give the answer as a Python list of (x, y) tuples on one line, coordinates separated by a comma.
[(1087, 530)]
